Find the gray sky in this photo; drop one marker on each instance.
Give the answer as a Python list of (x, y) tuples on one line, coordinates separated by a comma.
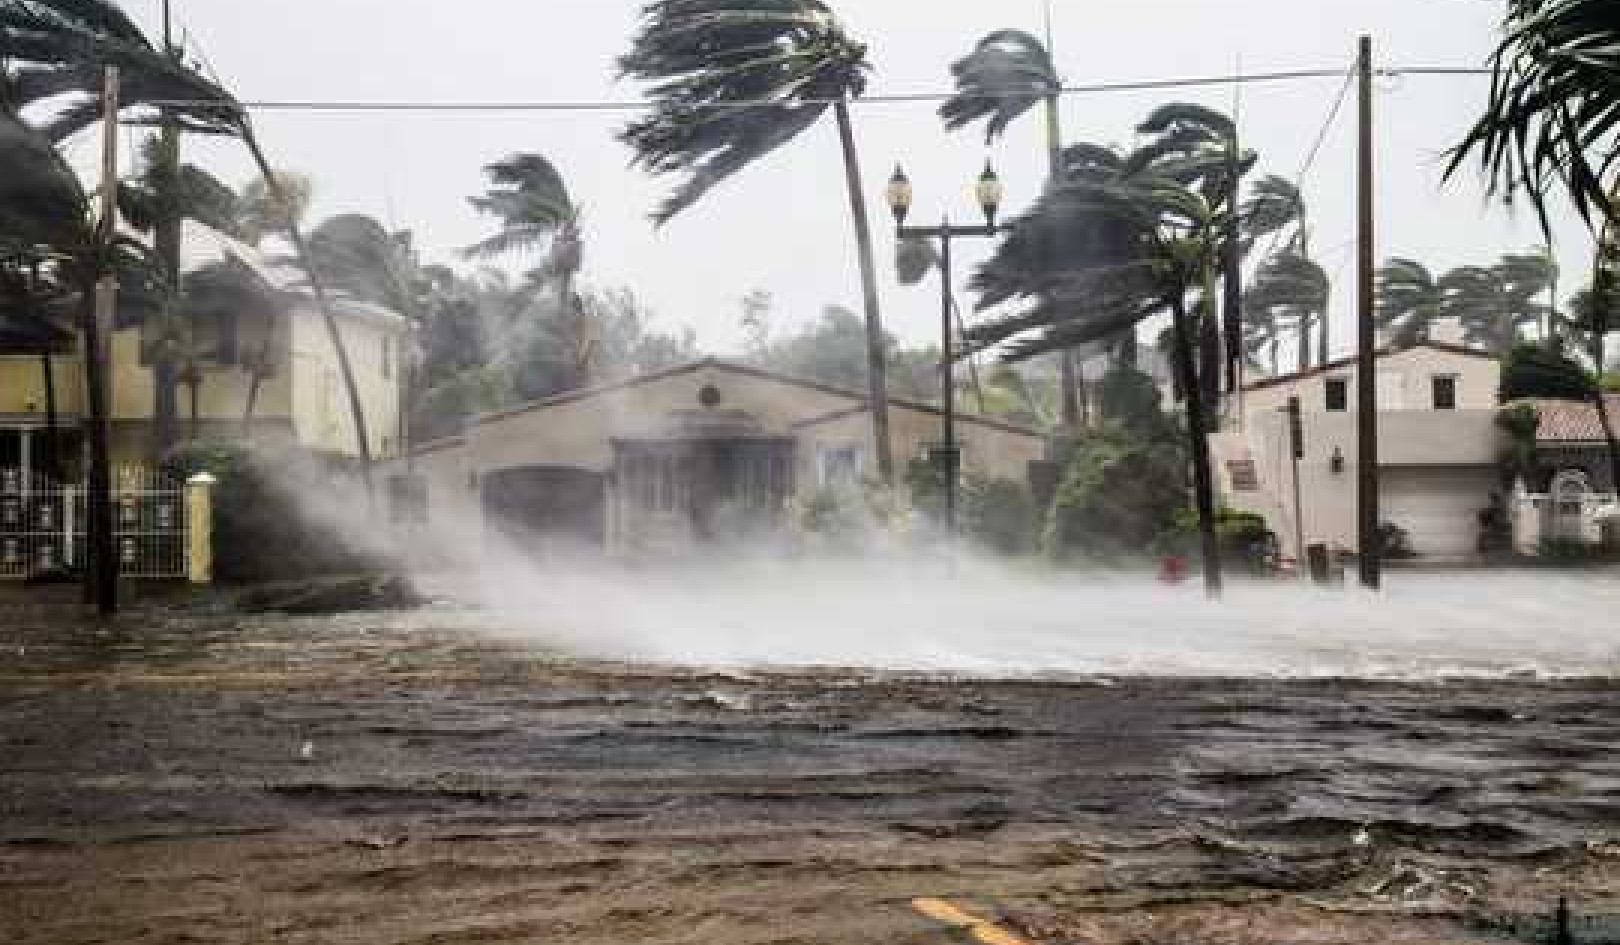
[(783, 225)]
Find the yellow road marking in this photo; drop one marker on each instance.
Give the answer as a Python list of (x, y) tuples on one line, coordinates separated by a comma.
[(945, 913)]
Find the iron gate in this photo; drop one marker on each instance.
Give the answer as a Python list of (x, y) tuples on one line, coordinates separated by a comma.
[(42, 525)]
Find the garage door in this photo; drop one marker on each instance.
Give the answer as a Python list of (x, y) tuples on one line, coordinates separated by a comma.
[(1439, 508)]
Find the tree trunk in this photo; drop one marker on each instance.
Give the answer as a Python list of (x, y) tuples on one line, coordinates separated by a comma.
[(1068, 396), (1304, 343), (53, 436), (167, 237), (101, 576), (255, 381), (1203, 483), (194, 387), (1322, 337), (323, 303), (876, 349), (1209, 353)]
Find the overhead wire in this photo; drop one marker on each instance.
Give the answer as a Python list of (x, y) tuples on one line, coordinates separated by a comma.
[(889, 98)]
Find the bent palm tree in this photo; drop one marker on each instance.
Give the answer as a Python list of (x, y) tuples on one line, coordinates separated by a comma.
[(1551, 121), (56, 53), (1141, 238), (530, 199), (1008, 73), (1410, 300), (1291, 287), (704, 59)]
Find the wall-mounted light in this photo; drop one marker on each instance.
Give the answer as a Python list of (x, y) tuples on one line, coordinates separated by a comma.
[(1336, 461)]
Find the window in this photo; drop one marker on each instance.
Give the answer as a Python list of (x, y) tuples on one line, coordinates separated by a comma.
[(1445, 392), (1338, 394), (840, 466)]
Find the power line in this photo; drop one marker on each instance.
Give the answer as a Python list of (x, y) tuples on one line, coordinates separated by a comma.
[(893, 98)]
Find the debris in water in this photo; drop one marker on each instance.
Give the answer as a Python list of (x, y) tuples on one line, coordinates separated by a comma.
[(306, 751)]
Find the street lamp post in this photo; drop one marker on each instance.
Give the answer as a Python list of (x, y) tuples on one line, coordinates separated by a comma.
[(988, 192)]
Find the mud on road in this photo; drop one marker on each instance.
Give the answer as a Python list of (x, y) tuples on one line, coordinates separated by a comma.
[(191, 778)]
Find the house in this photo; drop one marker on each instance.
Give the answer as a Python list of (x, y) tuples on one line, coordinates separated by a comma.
[(1439, 450), (298, 398), (665, 460)]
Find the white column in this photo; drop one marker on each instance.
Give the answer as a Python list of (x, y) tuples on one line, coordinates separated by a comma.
[(25, 437)]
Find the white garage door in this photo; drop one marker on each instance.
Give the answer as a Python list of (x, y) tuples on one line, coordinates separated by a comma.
[(1439, 508)]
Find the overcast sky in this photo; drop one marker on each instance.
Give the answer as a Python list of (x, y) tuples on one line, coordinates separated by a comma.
[(783, 225)]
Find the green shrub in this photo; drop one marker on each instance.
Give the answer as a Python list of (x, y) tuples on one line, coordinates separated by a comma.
[(1542, 369), (1000, 515), (1119, 493), (260, 533), (1247, 544)]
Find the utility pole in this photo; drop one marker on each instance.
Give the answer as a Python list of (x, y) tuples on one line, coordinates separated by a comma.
[(1368, 552), (102, 572), (167, 237), (1296, 450)]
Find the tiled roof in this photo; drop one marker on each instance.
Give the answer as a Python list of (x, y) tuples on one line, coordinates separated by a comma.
[(1573, 421)]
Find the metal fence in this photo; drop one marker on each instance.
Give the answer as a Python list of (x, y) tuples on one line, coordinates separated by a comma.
[(42, 524)]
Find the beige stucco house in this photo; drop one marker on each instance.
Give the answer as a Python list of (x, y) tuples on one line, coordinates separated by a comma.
[(1438, 450), (669, 458)]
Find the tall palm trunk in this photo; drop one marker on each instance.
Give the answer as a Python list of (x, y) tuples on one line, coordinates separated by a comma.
[(1209, 352), (1304, 342), (876, 350), (1069, 412), (1203, 483), (323, 303), (194, 388), (255, 381), (167, 239), (53, 439), (1322, 337)]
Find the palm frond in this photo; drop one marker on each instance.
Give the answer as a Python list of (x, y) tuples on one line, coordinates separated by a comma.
[(1007, 73)]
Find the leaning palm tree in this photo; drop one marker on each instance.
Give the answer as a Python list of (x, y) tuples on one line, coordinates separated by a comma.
[(535, 212), (1550, 123), (1410, 300), (56, 53), (1008, 73), (1291, 288), (732, 81), (1476, 297), (1141, 239)]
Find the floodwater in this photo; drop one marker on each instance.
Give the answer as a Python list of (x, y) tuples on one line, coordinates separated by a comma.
[(470, 776)]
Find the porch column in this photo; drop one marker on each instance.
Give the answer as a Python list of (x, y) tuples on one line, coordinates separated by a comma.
[(25, 438)]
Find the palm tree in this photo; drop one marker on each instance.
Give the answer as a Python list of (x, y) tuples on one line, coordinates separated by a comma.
[(1525, 278), (1275, 209), (1007, 74), (56, 53), (1410, 300), (1291, 287), (711, 62), (261, 212), (1477, 298), (1550, 122), (530, 199), (1143, 235), (1597, 318)]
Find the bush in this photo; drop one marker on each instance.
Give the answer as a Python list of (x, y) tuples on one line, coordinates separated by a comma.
[(260, 532), (852, 518), (1395, 543), (1119, 494), (1246, 543), (1000, 515), (1542, 369)]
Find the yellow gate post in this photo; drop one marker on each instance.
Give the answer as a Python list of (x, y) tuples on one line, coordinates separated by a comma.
[(200, 528)]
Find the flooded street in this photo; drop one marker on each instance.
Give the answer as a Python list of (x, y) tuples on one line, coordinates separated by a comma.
[(186, 778)]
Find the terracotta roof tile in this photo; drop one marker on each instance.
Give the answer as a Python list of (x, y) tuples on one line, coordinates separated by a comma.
[(1572, 421)]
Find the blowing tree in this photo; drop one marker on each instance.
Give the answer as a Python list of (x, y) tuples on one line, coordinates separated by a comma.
[(1140, 235), (56, 53), (1550, 123), (1410, 300), (1007, 74), (730, 82)]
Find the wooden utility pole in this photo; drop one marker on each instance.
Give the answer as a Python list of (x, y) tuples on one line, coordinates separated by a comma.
[(167, 237), (102, 573), (1369, 554)]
